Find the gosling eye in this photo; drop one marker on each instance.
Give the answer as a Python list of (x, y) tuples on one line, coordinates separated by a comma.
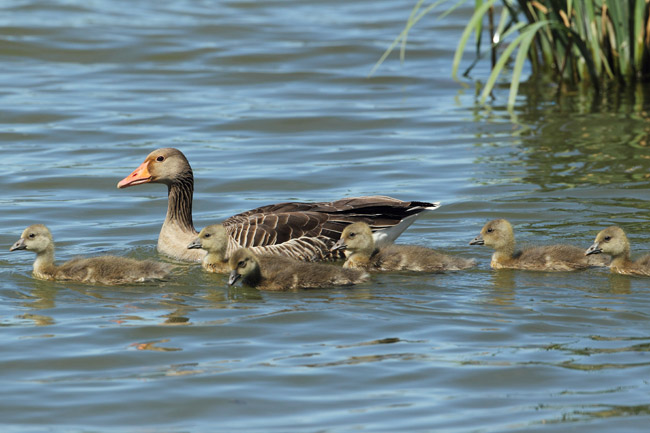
[(207, 235), (490, 230), (607, 238), (241, 264), (352, 235), (32, 235), (160, 158)]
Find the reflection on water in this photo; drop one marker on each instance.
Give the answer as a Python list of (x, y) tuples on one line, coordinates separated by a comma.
[(38, 319), (42, 297), (620, 283), (615, 411), (503, 281), (153, 345)]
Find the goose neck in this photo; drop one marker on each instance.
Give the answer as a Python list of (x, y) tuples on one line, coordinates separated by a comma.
[(44, 263), (179, 205)]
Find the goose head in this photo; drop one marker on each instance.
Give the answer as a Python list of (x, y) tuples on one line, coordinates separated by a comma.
[(612, 241), (166, 165), (356, 238), (35, 238), (497, 234), (212, 238), (242, 263)]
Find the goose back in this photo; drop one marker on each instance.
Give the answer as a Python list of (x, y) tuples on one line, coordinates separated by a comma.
[(550, 258), (111, 270)]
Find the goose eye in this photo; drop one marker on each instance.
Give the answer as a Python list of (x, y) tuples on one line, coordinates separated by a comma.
[(241, 264), (160, 158), (607, 238), (32, 235), (490, 230), (352, 235), (207, 235)]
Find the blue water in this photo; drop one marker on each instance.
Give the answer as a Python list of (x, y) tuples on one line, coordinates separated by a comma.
[(270, 101)]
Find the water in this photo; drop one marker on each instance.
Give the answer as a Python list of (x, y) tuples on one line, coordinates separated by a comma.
[(270, 102)]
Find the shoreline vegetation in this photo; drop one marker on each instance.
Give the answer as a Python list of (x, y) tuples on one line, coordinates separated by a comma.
[(576, 43)]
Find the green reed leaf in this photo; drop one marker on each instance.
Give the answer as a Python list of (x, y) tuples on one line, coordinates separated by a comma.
[(473, 24)]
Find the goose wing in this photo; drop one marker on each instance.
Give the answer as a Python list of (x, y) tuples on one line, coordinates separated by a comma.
[(259, 229), (281, 222)]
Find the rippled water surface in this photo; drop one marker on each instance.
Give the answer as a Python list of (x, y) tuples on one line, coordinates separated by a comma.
[(270, 101)]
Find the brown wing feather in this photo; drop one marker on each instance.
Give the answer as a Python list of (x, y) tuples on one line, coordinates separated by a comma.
[(273, 229), (278, 223)]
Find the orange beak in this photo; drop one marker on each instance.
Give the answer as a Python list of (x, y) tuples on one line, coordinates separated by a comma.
[(139, 175)]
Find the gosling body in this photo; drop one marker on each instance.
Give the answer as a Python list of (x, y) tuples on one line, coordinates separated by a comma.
[(499, 235), (612, 241), (278, 273), (107, 270), (359, 247), (214, 240)]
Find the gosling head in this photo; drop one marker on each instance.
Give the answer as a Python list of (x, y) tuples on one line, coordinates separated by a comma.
[(35, 238), (213, 239), (166, 165), (356, 238), (242, 263), (497, 234), (612, 241)]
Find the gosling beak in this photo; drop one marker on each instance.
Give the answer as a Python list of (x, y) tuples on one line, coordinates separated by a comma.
[(594, 249), (234, 277), (18, 245), (140, 175), (339, 245), (478, 240), (195, 244)]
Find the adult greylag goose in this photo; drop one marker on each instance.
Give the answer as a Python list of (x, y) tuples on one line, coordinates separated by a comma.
[(359, 248), (103, 269), (318, 224), (613, 242), (499, 235), (280, 273)]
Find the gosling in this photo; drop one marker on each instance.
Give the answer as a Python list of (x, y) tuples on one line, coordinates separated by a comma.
[(359, 247), (499, 235), (108, 270), (278, 273), (213, 239), (613, 242)]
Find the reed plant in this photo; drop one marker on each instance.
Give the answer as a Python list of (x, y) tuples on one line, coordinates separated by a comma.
[(575, 42)]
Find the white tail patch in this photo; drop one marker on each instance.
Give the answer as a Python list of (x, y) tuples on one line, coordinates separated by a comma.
[(387, 236)]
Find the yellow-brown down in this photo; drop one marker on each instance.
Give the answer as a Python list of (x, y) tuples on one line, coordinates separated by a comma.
[(359, 247), (499, 235), (613, 242), (107, 270), (278, 273), (213, 239)]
